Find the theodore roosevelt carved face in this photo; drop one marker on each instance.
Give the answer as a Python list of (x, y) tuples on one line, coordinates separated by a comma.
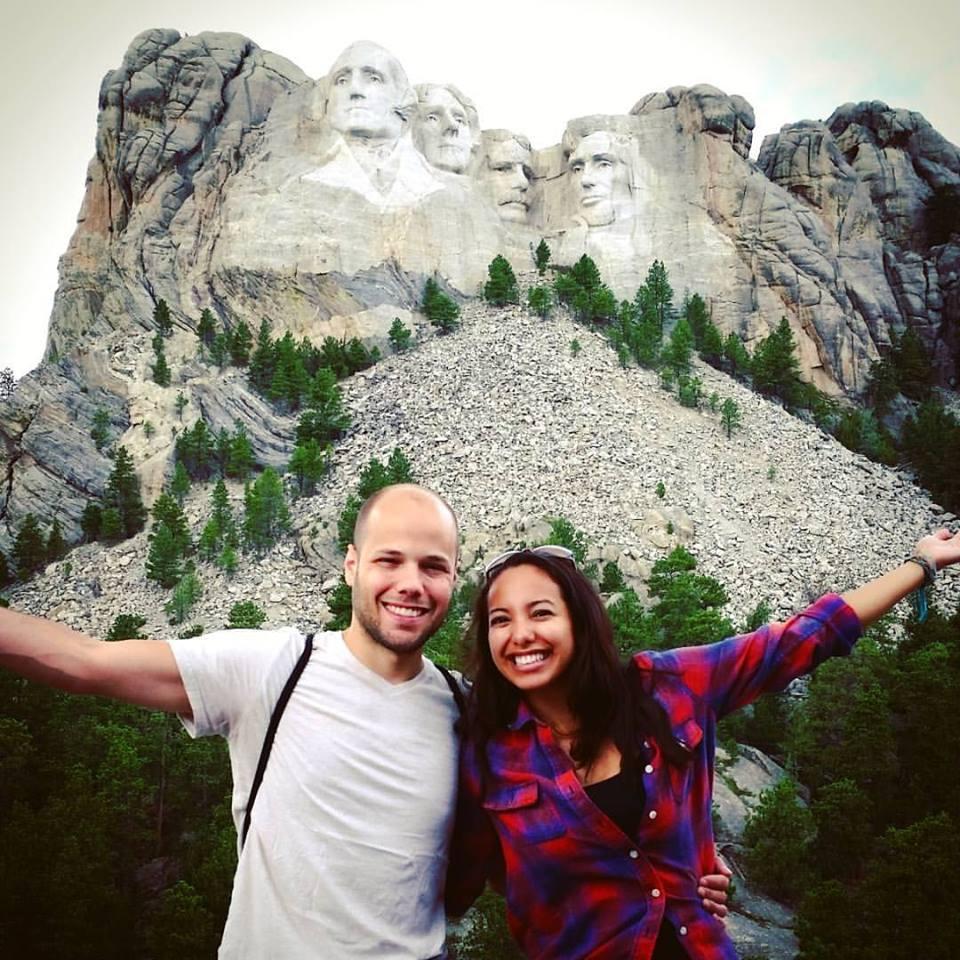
[(505, 174), (446, 127)]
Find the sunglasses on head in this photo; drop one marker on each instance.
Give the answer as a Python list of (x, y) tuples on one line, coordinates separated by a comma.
[(547, 550)]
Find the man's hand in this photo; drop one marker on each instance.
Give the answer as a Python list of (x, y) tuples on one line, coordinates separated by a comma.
[(713, 888)]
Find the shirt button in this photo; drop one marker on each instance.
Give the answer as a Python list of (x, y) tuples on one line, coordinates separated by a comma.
[(634, 854), (654, 893), (683, 931), (648, 768), (652, 814)]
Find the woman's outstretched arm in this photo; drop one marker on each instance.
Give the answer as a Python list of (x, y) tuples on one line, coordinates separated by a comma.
[(874, 599)]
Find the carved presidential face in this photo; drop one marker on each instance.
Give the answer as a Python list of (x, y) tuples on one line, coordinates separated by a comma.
[(442, 130), (506, 175), (601, 180), (366, 89)]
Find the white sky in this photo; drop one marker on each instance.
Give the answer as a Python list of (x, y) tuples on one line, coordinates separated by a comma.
[(528, 66)]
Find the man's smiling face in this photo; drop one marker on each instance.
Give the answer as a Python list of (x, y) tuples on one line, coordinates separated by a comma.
[(403, 569)]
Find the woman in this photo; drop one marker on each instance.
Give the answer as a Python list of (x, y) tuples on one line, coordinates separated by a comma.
[(586, 785)]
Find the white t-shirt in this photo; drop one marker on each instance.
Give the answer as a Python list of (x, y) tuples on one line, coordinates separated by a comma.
[(347, 850)]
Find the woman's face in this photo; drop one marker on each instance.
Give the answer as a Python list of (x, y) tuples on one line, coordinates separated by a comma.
[(530, 631)]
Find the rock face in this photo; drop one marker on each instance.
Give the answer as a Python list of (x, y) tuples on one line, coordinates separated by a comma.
[(224, 178)]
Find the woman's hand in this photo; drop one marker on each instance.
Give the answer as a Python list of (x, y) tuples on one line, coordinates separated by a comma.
[(713, 888), (942, 547)]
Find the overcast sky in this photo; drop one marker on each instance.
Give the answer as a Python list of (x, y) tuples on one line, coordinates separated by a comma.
[(528, 66)]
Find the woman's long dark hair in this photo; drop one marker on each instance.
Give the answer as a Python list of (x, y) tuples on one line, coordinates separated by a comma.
[(605, 695)]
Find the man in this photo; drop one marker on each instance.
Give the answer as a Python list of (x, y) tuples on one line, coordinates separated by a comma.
[(347, 847), (446, 128)]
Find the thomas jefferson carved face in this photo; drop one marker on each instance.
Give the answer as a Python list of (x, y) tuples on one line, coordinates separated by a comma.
[(601, 180), (367, 89), (443, 131), (506, 176)]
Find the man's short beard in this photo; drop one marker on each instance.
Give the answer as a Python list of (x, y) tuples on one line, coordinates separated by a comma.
[(374, 632)]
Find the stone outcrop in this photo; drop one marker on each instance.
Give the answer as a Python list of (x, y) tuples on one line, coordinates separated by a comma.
[(225, 178), (870, 175)]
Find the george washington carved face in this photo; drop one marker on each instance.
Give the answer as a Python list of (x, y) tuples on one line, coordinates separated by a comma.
[(367, 93)]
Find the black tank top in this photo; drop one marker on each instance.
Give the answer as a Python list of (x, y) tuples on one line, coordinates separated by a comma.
[(621, 799)]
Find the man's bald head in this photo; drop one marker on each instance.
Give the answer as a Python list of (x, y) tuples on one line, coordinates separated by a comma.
[(402, 497)]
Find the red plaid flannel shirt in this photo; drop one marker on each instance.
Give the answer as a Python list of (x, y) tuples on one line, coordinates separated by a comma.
[(576, 886)]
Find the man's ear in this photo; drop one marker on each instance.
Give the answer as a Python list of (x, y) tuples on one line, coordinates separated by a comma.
[(350, 565)]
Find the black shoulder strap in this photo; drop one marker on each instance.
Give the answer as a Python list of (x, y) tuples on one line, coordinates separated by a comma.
[(278, 709), (457, 692)]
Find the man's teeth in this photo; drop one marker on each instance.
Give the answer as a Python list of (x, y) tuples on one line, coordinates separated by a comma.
[(525, 659), (404, 611)]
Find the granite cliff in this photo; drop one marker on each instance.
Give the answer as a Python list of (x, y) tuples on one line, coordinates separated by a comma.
[(225, 178)]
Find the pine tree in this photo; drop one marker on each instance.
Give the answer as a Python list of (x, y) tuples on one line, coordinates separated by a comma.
[(206, 329), (399, 336), (736, 356), (29, 550), (220, 350), (100, 432), (660, 292), (309, 463), (678, 351), (501, 288), (228, 560), (126, 626), (123, 495), (111, 525), (161, 369), (711, 348), (586, 274), (913, 366), (180, 484), (695, 313), (540, 300), (167, 512), (162, 319), (398, 467), (729, 416), (185, 594), (603, 304), (222, 515), (775, 368), (440, 310), (90, 521), (266, 515), (56, 545), (180, 404), (8, 383), (240, 456), (164, 558), (239, 344), (245, 615), (541, 257)]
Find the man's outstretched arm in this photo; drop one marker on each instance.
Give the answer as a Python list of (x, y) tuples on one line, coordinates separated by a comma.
[(143, 672)]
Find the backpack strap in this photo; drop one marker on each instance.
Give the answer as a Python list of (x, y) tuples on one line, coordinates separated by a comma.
[(278, 709), (458, 697)]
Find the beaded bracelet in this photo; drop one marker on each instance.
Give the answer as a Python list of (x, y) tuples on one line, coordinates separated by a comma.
[(919, 596)]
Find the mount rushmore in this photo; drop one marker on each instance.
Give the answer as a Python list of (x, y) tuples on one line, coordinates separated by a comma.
[(225, 178)]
